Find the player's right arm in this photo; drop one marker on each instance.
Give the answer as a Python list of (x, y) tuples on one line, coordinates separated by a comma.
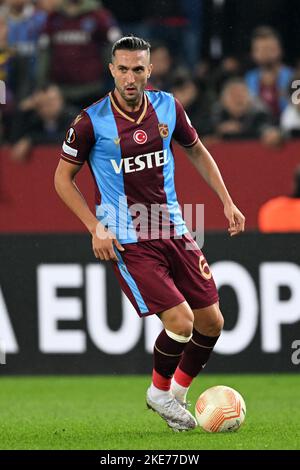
[(102, 239), (75, 151)]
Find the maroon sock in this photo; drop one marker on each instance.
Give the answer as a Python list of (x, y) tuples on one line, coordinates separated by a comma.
[(196, 353), (166, 356)]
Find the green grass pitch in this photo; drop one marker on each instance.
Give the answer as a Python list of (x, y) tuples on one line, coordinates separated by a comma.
[(109, 412)]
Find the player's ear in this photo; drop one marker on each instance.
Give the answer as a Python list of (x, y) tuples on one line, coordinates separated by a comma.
[(150, 67), (112, 68)]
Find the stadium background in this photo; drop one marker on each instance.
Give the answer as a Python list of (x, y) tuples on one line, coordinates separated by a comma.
[(62, 313)]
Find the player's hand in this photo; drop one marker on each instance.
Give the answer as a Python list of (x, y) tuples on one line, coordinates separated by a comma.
[(235, 218), (103, 241)]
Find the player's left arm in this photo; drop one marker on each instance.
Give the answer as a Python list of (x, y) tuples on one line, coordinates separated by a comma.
[(207, 167), (186, 135)]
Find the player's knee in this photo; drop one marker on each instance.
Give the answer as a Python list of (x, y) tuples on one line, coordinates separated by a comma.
[(183, 336), (185, 329), (182, 327), (220, 323), (213, 325), (184, 324), (216, 325), (179, 320)]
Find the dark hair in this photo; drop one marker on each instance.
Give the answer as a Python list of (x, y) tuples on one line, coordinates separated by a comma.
[(265, 32), (130, 43)]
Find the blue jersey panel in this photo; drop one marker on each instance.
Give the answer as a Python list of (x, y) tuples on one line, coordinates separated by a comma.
[(164, 106), (113, 211)]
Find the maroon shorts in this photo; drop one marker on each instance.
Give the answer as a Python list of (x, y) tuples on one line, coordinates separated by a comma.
[(158, 274)]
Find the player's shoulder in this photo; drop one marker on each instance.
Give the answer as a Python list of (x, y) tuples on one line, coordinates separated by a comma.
[(97, 103), (159, 97), (97, 106), (80, 128), (159, 93), (81, 121)]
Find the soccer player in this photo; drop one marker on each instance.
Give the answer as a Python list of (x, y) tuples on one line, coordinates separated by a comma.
[(125, 138)]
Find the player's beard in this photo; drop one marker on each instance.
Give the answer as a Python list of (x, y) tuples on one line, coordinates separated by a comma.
[(135, 98)]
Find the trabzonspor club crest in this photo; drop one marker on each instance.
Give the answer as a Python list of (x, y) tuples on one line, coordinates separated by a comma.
[(163, 130)]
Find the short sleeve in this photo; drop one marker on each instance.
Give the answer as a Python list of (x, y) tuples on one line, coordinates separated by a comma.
[(184, 132), (79, 140)]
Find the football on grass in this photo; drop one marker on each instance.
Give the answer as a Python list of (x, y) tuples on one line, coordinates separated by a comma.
[(220, 409)]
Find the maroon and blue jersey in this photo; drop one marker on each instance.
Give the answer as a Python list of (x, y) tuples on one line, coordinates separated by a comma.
[(131, 159)]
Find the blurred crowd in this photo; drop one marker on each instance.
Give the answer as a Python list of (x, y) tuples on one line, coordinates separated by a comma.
[(54, 54)]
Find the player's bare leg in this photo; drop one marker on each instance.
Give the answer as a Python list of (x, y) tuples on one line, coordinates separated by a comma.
[(168, 349), (208, 324), (209, 320)]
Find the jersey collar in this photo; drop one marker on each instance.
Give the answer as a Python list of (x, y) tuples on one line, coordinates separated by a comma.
[(126, 115)]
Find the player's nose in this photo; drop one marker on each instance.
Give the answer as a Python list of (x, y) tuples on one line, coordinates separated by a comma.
[(130, 79)]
